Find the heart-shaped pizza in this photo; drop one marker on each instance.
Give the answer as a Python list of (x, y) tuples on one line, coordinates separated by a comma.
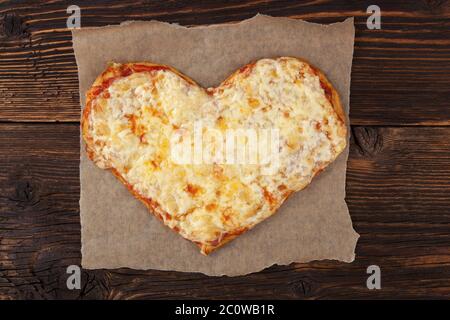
[(212, 163)]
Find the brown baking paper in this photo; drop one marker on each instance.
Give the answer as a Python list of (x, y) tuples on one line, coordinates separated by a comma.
[(118, 231)]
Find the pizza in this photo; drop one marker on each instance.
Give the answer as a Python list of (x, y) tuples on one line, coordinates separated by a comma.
[(137, 114)]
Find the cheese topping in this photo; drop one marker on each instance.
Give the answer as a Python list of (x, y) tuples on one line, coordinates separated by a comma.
[(132, 121)]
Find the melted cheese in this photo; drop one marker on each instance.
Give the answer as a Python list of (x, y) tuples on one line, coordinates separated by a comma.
[(133, 120)]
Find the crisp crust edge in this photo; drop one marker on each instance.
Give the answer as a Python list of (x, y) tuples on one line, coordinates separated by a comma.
[(113, 71)]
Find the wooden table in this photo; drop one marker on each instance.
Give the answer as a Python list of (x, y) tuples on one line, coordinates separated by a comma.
[(398, 179)]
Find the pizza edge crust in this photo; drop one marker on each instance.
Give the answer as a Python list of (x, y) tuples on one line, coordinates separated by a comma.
[(113, 71)]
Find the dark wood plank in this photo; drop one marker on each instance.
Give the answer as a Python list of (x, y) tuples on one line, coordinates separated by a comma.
[(401, 73), (397, 191)]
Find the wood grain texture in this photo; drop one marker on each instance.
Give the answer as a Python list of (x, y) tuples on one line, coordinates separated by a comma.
[(398, 179), (401, 73), (397, 192)]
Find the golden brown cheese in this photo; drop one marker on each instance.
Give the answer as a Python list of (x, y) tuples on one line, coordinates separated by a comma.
[(134, 110)]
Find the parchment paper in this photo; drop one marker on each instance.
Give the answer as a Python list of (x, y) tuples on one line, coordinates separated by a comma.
[(118, 231)]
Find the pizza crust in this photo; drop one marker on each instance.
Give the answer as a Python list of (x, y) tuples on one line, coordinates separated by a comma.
[(115, 71)]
